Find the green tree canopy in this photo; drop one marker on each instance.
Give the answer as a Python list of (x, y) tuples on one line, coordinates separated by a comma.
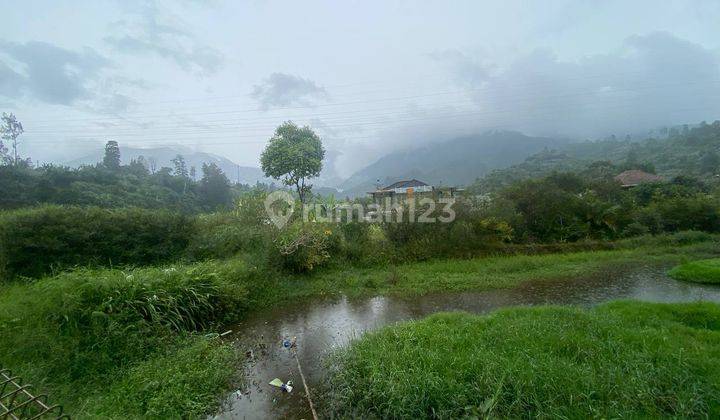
[(10, 130), (214, 189), (111, 160), (293, 155), (180, 166)]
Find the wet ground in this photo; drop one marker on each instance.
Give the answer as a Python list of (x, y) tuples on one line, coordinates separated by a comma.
[(322, 325)]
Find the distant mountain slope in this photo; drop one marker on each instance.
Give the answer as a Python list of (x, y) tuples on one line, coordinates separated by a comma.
[(456, 162), (691, 152), (164, 156)]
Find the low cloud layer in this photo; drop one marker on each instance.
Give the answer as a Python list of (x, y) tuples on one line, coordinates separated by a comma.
[(281, 89), (649, 81), (154, 33), (48, 73)]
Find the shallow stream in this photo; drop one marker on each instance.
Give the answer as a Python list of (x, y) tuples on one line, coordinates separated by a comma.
[(322, 325)]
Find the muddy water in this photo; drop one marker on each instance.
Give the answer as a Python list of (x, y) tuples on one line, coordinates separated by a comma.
[(320, 326)]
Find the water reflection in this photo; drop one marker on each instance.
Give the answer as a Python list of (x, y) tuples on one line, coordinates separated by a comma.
[(321, 326)]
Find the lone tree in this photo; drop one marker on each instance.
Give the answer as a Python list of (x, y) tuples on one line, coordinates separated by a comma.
[(181, 170), (293, 155), (10, 130), (180, 166), (111, 160), (214, 188)]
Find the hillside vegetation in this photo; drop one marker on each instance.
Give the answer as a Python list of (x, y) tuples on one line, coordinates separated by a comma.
[(693, 152)]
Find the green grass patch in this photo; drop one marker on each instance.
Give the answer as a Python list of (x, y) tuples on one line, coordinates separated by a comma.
[(185, 382), (504, 271), (622, 359), (703, 271)]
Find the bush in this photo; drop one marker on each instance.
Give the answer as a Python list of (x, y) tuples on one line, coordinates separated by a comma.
[(699, 212), (302, 247), (36, 241)]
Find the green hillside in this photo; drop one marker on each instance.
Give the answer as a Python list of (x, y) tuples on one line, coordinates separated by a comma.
[(688, 151)]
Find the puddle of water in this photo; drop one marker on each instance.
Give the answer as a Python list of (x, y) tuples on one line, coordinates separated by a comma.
[(321, 326)]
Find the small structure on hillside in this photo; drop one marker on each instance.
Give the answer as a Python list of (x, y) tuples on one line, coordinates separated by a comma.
[(635, 177), (402, 190)]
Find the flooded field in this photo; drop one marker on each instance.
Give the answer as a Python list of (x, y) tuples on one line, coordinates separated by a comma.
[(322, 325)]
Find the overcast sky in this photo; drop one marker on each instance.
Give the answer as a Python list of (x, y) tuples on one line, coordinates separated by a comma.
[(369, 76)]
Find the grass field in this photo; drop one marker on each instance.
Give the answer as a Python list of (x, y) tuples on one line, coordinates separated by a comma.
[(703, 271), (623, 359), (119, 343)]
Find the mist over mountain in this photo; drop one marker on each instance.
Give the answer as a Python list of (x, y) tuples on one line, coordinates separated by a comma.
[(458, 161)]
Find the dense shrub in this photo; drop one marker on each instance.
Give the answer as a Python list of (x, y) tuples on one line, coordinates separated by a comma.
[(303, 247), (470, 233), (35, 241)]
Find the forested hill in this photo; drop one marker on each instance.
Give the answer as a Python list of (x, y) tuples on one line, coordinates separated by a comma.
[(687, 151), (455, 162)]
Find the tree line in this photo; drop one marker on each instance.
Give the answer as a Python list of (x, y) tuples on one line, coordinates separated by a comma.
[(112, 184)]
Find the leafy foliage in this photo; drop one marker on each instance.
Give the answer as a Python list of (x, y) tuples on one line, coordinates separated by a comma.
[(10, 131), (214, 189), (111, 160), (36, 241), (305, 246), (294, 155), (130, 185), (566, 207)]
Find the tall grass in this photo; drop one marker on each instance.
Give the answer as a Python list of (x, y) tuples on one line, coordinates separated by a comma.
[(623, 359), (185, 381), (76, 332), (704, 271)]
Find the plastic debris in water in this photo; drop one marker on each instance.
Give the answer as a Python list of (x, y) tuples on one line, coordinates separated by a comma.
[(277, 382)]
